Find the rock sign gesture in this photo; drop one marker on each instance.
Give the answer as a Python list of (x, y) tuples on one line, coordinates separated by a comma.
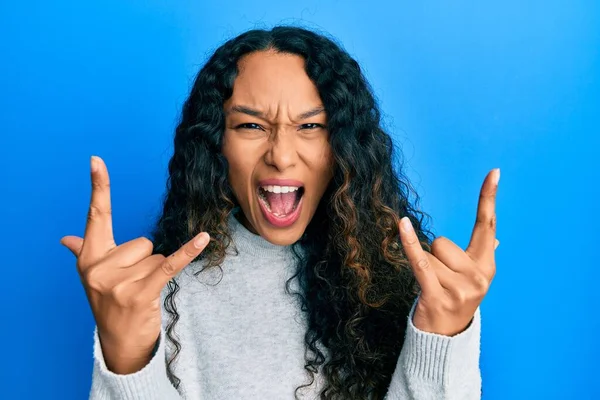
[(123, 283), (454, 282)]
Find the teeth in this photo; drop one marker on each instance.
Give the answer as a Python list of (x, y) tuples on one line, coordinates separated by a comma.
[(279, 189)]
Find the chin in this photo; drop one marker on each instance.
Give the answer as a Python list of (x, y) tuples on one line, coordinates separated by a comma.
[(282, 238)]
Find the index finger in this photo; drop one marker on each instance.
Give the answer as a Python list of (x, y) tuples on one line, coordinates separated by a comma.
[(417, 258), (99, 237), (482, 242), (177, 261)]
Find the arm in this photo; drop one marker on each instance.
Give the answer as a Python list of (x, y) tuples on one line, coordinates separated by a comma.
[(436, 367), (150, 383), (125, 301), (445, 365)]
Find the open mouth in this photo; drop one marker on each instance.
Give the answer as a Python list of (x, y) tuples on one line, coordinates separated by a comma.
[(280, 201)]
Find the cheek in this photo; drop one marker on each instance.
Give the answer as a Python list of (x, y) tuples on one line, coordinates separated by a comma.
[(241, 161), (238, 179), (326, 162), (322, 162)]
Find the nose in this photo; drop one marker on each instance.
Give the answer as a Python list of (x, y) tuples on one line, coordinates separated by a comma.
[(282, 153)]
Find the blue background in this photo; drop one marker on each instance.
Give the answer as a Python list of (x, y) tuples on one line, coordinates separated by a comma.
[(466, 86)]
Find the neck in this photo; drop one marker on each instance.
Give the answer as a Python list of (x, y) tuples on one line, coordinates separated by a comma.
[(247, 241)]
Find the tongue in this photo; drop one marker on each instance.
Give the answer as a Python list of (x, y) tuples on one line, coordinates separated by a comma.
[(281, 203)]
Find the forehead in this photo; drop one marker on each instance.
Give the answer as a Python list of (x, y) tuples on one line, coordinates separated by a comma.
[(268, 79)]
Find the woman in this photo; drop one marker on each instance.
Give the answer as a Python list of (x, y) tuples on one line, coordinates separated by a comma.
[(318, 279)]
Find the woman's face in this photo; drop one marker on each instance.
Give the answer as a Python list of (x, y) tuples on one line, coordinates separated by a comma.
[(276, 143)]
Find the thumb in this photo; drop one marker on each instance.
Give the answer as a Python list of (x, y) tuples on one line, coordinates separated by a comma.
[(173, 264), (73, 243)]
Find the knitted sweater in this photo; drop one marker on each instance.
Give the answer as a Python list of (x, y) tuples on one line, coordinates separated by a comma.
[(242, 337)]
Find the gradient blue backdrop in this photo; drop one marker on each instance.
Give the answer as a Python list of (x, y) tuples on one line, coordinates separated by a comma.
[(466, 86)]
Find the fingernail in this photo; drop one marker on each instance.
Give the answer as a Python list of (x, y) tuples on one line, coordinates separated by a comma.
[(497, 176), (94, 163), (406, 225), (201, 240)]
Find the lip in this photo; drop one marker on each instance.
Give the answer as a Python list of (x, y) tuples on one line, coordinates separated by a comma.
[(281, 222), (280, 182), (289, 219)]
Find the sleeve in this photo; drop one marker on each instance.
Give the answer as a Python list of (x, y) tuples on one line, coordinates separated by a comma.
[(437, 367), (149, 383)]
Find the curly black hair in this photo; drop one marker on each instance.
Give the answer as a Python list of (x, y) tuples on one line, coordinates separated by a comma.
[(356, 286)]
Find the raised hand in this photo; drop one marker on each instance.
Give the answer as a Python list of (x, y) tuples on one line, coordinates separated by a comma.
[(454, 282), (123, 283)]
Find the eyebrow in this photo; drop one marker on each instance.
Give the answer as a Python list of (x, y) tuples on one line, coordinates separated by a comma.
[(259, 114)]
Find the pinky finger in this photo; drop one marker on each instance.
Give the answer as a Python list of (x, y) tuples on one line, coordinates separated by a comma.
[(73, 243)]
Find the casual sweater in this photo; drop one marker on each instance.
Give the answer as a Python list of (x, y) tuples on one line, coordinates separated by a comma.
[(242, 337)]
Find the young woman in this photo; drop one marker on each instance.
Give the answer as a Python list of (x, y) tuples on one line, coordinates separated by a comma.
[(318, 279)]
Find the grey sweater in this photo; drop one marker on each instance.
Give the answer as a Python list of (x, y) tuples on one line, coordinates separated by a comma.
[(242, 337)]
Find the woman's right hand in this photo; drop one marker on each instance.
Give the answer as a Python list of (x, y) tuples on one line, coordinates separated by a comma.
[(123, 283)]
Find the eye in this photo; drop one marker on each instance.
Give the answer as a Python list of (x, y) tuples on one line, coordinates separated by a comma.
[(311, 126), (249, 125)]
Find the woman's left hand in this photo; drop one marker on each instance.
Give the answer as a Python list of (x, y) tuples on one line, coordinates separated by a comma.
[(454, 282)]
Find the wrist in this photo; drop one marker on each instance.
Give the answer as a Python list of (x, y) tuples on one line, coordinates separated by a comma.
[(448, 326), (124, 359)]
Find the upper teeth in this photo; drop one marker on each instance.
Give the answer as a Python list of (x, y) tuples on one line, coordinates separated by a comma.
[(279, 189)]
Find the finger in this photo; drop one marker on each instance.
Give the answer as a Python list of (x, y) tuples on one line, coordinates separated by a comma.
[(482, 242), (73, 243), (447, 278), (177, 261), (130, 253), (105, 276), (417, 258), (99, 232), (451, 255)]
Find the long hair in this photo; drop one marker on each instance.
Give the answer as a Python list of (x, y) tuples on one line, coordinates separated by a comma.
[(355, 283)]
